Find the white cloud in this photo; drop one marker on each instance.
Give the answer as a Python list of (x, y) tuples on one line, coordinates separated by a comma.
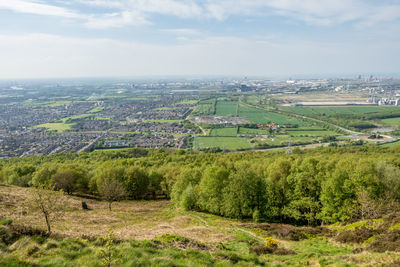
[(182, 31), (120, 13), (38, 8), (115, 20), (39, 55)]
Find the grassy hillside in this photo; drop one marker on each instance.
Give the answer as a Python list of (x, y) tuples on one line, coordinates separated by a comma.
[(156, 233)]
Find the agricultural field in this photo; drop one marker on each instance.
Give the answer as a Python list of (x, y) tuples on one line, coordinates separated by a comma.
[(312, 133), (156, 233), (338, 110), (224, 132), (204, 108), (391, 122), (229, 143), (226, 108), (392, 144), (283, 140), (243, 130), (260, 116), (254, 115)]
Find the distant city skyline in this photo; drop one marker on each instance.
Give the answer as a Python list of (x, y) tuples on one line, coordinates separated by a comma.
[(268, 38)]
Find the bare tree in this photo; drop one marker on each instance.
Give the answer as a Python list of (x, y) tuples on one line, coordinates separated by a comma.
[(111, 190), (48, 202)]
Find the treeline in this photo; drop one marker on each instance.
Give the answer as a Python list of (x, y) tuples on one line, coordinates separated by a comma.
[(323, 185)]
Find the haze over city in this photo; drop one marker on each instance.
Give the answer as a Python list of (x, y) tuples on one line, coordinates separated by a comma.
[(100, 38)]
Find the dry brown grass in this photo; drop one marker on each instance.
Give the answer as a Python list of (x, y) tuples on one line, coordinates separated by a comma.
[(128, 219)]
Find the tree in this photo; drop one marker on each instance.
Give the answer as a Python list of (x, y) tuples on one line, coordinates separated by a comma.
[(50, 203), (108, 255), (111, 190), (211, 186), (65, 180), (188, 199), (136, 182)]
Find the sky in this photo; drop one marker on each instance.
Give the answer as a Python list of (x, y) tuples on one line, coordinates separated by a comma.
[(115, 38)]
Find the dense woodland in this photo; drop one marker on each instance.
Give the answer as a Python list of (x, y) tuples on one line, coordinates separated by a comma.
[(324, 185)]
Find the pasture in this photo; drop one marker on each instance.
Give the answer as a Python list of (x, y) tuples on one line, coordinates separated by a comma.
[(226, 108), (232, 131), (261, 116), (332, 110), (391, 121), (312, 133)]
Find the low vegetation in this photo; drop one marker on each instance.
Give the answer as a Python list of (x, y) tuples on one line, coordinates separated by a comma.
[(181, 207)]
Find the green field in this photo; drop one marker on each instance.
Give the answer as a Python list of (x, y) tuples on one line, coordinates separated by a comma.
[(230, 143), (48, 103), (261, 116), (205, 108), (312, 133), (56, 126), (224, 132), (284, 139), (391, 121), (96, 109), (62, 125), (338, 110), (243, 130), (396, 143), (254, 115), (226, 108)]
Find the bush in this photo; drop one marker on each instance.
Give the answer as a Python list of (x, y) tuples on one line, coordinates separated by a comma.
[(359, 235), (389, 241), (271, 243)]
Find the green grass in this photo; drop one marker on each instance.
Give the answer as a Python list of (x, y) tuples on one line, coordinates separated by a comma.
[(230, 143), (226, 108), (62, 125), (96, 109), (391, 121), (156, 233), (205, 108), (372, 224), (260, 116), (243, 130), (396, 143), (338, 110), (224, 132), (312, 133), (163, 108), (57, 126), (284, 139)]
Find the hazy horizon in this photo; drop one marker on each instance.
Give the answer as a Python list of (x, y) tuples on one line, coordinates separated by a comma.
[(267, 38)]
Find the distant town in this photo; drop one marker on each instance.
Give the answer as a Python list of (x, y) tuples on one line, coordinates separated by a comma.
[(225, 114)]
